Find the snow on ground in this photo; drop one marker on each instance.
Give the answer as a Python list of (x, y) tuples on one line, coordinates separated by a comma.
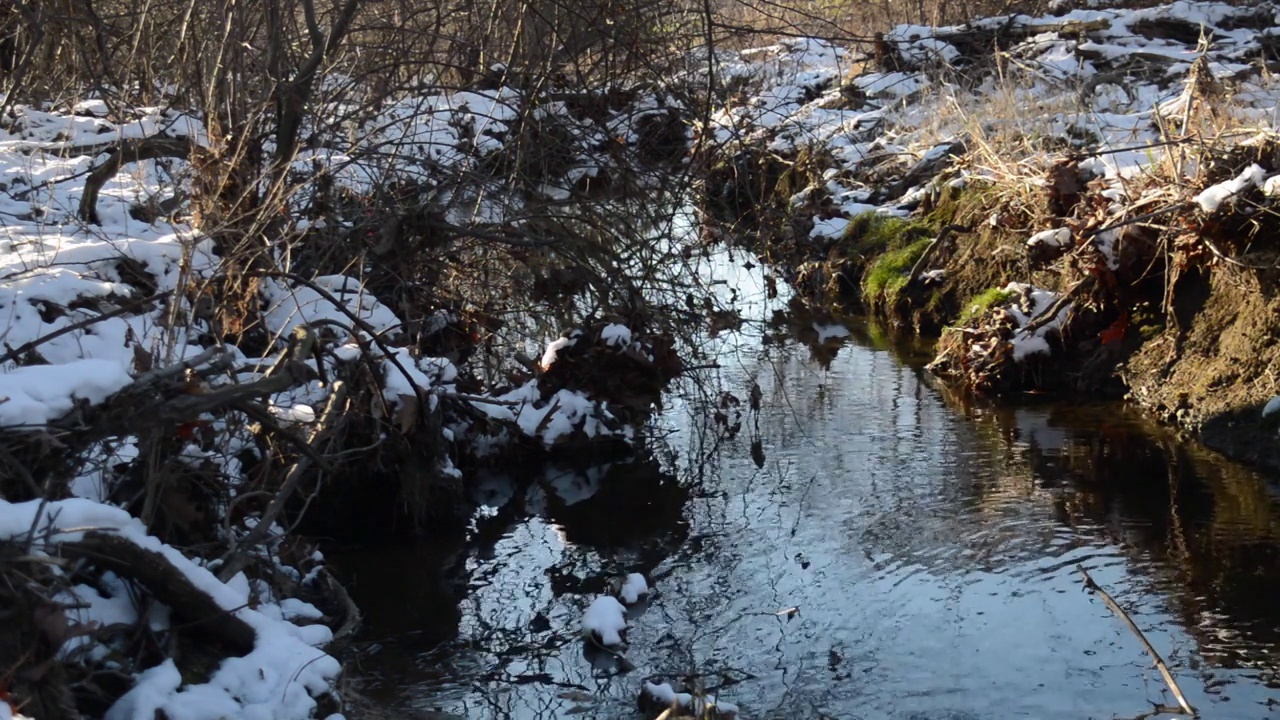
[(798, 97), (113, 299), (1109, 83), (1057, 237), (41, 393), (1032, 303), (279, 678), (1212, 197)]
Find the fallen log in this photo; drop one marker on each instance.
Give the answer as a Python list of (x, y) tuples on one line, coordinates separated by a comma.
[(193, 608), (127, 151)]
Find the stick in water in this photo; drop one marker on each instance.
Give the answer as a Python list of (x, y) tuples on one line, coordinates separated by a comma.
[(1160, 665)]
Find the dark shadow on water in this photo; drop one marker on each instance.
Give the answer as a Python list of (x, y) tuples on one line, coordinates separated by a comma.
[(625, 516), (1206, 530)]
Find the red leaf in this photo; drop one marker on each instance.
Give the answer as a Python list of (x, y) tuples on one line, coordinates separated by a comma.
[(1115, 332)]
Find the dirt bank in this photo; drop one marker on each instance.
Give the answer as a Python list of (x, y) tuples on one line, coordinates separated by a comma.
[(1124, 244)]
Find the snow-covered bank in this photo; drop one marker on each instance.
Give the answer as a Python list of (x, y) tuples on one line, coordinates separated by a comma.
[(279, 676), (1114, 163), (169, 409)]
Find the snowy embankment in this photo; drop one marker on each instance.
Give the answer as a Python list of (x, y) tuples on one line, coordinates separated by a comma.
[(1059, 153), (276, 677), (116, 396)]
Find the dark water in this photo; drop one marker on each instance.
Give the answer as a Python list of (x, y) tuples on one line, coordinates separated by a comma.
[(929, 546)]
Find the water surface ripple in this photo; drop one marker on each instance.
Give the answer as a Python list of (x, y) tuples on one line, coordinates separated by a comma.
[(929, 548)]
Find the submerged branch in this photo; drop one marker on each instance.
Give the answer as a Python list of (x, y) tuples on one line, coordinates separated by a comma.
[(1159, 661)]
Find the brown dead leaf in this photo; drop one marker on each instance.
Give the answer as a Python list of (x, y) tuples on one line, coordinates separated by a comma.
[(53, 624), (142, 360), (546, 419)]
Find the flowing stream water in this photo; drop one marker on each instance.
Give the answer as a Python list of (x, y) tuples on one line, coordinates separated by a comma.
[(867, 546)]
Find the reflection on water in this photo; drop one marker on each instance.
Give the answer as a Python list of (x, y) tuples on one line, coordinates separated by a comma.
[(930, 545)]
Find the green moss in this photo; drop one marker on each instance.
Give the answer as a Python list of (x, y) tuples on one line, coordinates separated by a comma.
[(934, 304), (872, 233), (888, 274), (981, 303), (1147, 320)]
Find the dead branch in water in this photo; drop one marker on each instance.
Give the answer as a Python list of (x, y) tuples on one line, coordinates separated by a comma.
[(1159, 661)]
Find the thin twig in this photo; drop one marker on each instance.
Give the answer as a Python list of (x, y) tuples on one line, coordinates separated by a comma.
[(1160, 665)]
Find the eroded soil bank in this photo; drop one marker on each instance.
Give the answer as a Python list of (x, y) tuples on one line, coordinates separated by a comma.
[(1089, 212)]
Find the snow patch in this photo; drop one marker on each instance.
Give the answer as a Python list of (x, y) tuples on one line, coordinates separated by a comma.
[(39, 394), (699, 705), (1057, 237), (278, 679), (829, 228), (1026, 344), (605, 620), (634, 587), (615, 335), (1272, 407), (1211, 198)]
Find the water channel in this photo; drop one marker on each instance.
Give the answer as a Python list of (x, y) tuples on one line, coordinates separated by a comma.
[(869, 545)]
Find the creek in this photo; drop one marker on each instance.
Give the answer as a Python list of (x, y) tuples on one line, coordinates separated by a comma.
[(868, 545)]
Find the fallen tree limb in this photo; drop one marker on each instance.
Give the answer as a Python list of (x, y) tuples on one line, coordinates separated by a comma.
[(1155, 656), (186, 407), (1061, 302), (351, 613), (167, 372), (195, 610), (127, 151), (236, 558), (927, 256), (926, 167)]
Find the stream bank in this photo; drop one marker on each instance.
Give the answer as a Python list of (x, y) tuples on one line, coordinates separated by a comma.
[(1091, 210), (870, 543), (185, 411)]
